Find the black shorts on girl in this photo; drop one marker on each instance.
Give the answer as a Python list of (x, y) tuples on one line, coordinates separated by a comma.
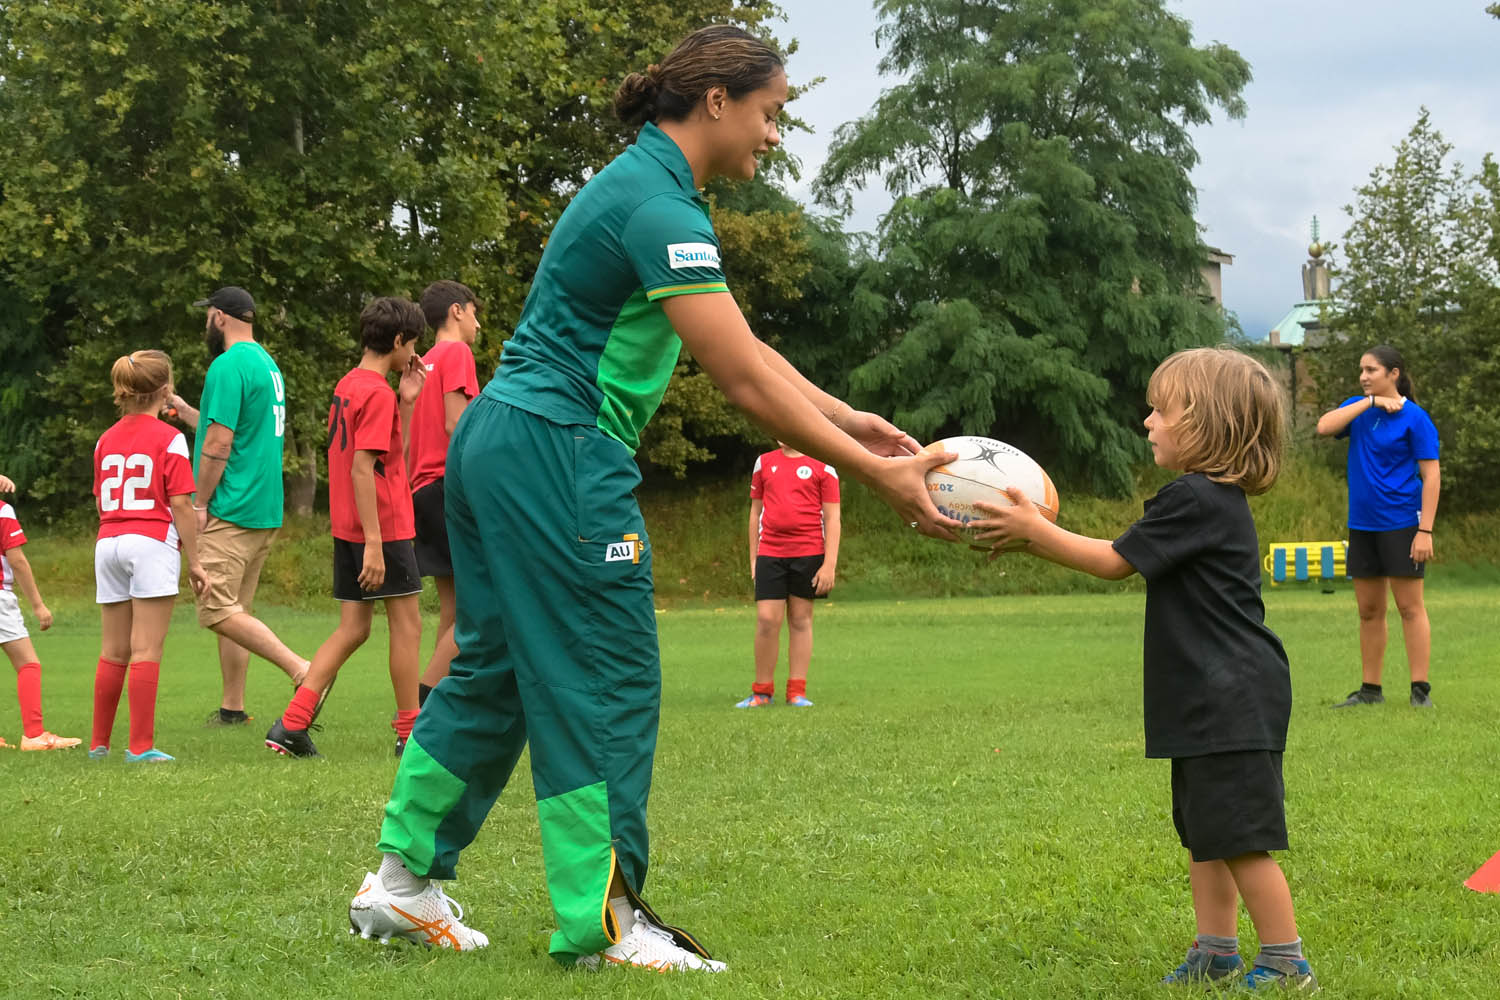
[(401, 576), (1382, 553), (1228, 804)]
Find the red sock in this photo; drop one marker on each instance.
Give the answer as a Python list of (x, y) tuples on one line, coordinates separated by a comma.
[(404, 722), (796, 688), (299, 714), (766, 689), (29, 694), (144, 676), (109, 681)]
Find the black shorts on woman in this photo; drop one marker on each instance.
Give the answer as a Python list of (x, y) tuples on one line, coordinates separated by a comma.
[(1374, 554)]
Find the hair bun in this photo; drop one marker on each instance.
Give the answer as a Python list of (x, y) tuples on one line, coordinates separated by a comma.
[(635, 100)]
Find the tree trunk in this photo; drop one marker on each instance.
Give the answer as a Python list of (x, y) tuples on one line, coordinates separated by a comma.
[(302, 483)]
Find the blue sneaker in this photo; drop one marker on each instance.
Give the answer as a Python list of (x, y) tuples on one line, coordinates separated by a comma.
[(99, 753), (799, 702), (756, 701), (1281, 973), (1202, 968), (152, 756)]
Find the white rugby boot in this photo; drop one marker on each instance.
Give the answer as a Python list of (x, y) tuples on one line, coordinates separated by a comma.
[(426, 918), (648, 946)]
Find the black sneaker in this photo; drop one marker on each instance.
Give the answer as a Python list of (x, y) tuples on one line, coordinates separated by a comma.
[(290, 742), (1420, 698), (220, 717), (400, 746), (1360, 697)]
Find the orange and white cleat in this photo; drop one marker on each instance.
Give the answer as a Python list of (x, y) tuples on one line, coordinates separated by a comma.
[(426, 918), (6, 746), (648, 946), (48, 741)]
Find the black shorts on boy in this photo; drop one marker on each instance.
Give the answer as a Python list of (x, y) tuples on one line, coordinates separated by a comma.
[(780, 577), (434, 558), (401, 576), (1225, 805), (1382, 553)]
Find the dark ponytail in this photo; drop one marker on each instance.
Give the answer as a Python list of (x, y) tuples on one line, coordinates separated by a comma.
[(717, 56), (1390, 358)]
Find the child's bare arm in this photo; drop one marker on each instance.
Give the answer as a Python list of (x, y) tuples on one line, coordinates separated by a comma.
[(755, 508), (1022, 525), (26, 582)]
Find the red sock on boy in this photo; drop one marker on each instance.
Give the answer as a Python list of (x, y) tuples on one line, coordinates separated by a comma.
[(299, 714)]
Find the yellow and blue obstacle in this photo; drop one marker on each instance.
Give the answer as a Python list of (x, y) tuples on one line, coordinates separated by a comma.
[(1306, 561)]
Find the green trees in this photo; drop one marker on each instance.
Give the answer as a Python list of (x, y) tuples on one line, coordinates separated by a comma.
[(1422, 262), (316, 153), (1042, 256)]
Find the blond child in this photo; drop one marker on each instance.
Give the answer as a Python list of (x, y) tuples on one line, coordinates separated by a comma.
[(1218, 689), (143, 489)]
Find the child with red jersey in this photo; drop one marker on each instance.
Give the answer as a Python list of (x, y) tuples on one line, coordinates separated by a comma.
[(794, 553), (451, 310), (15, 571), (143, 485), (369, 502)]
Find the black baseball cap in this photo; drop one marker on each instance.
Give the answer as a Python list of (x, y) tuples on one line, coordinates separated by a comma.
[(233, 300)]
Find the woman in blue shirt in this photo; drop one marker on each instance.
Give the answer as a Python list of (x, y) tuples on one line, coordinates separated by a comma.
[(1393, 495)]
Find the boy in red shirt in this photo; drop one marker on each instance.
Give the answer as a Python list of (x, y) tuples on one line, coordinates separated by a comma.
[(369, 504), (452, 311), (16, 641), (794, 551)]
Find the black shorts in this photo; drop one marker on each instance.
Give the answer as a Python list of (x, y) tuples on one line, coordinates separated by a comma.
[(401, 577), (780, 577), (1228, 804), (433, 555), (1382, 553)]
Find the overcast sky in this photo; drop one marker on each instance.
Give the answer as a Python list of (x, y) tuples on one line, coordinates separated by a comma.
[(1337, 84)]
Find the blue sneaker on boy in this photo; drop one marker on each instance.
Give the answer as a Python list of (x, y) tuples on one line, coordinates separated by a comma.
[(1202, 968), (1292, 974)]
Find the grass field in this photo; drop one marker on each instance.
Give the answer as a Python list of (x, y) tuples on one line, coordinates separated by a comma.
[(966, 813)]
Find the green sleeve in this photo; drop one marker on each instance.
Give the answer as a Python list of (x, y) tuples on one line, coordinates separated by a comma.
[(672, 246), (223, 391)]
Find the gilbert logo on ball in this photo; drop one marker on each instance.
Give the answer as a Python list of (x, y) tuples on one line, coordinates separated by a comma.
[(985, 468)]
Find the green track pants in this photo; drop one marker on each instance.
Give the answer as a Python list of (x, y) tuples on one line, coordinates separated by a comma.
[(557, 631)]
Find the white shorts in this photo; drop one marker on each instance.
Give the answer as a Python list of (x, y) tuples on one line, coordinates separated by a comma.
[(12, 625), (129, 566)]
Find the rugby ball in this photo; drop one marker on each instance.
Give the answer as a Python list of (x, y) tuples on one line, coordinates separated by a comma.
[(984, 469)]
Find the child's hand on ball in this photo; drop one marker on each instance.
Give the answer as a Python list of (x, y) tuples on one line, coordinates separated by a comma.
[(1007, 528)]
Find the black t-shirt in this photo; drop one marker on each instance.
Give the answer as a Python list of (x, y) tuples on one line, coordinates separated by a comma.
[(1216, 677)]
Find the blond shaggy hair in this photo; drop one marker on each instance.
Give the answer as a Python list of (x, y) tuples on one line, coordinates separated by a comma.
[(1233, 423)]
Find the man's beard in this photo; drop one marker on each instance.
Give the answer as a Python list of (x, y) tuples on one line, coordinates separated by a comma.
[(214, 338)]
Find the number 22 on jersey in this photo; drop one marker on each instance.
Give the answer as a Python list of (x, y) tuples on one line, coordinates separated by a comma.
[(116, 492)]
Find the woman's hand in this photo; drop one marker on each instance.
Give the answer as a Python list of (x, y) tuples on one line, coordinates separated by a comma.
[(902, 484), (1389, 404), (877, 434), (1008, 529), (1421, 547)]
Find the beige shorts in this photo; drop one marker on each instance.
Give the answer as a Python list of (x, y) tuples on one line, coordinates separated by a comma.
[(232, 557)]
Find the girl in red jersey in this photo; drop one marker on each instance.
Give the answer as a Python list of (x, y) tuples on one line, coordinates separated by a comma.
[(143, 481)]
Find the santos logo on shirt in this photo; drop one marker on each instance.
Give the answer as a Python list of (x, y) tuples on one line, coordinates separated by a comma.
[(680, 255)]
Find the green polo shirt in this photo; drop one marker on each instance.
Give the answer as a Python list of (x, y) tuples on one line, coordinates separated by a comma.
[(593, 345), (243, 390)]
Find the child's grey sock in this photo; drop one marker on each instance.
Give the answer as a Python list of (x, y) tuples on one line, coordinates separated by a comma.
[(1291, 951), (1216, 945)]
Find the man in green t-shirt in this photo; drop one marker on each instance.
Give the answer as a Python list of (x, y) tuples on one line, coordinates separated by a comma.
[(240, 423)]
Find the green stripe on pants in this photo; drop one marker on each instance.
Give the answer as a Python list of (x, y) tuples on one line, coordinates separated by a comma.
[(557, 632)]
